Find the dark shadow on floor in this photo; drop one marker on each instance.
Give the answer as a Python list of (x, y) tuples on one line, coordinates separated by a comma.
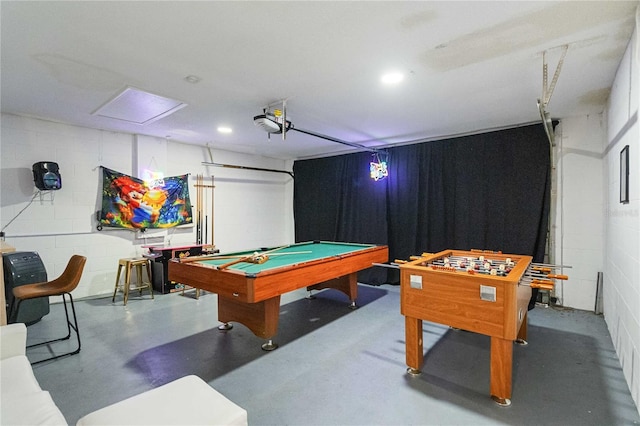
[(213, 353), (550, 376)]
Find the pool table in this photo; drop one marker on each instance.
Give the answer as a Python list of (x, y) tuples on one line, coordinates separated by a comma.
[(249, 293)]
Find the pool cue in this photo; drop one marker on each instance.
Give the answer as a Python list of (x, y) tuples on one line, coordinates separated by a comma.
[(199, 209), (214, 257), (244, 259), (200, 241), (212, 209), (191, 259), (202, 213), (206, 218), (197, 212)]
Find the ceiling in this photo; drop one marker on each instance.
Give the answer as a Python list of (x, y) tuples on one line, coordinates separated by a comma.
[(468, 66)]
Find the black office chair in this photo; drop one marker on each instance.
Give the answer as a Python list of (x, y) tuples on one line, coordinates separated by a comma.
[(61, 286)]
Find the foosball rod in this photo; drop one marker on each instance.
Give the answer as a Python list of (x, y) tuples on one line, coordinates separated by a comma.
[(549, 265), (393, 265), (467, 260), (529, 279), (454, 258), (502, 267), (543, 275), (476, 259), (541, 285)]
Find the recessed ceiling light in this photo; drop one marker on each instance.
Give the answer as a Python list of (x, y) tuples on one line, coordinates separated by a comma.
[(224, 129), (392, 78)]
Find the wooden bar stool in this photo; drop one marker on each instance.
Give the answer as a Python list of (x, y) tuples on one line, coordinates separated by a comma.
[(129, 264)]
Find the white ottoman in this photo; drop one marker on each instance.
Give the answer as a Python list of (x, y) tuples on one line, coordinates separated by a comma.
[(194, 403)]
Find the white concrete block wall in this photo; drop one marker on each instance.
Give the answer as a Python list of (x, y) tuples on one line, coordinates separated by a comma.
[(56, 224), (252, 208), (622, 221), (579, 210)]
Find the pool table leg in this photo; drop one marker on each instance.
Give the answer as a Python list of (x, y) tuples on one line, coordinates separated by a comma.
[(348, 284), (261, 317)]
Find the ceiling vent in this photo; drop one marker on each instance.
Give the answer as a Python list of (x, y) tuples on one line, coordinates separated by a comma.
[(138, 107)]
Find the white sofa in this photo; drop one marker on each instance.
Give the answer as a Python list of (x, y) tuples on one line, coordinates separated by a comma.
[(200, 404), (23, 402)]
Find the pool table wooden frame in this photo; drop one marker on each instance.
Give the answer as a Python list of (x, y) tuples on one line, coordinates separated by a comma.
[(254, 299), (454, 299)]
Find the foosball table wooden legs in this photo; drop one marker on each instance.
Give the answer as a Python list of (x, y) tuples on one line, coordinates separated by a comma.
[(414, 345), (501, 360), (501, 370)]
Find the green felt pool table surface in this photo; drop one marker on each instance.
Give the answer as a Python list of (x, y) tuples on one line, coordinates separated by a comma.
[(287, 256)]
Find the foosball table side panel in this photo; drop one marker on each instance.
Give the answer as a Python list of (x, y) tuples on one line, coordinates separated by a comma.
[(517, 300), (453, 300), (523, 295)]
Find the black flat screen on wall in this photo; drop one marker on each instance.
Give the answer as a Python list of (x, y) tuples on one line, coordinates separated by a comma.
[(624, 175)]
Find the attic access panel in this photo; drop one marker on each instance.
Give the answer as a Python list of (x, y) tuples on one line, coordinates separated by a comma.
[(138, 107)]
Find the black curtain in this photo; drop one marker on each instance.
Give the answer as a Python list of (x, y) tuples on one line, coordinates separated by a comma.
[(488, 191), (335, 199)]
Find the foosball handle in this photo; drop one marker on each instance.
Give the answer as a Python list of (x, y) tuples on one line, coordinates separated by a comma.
[(558, 277)]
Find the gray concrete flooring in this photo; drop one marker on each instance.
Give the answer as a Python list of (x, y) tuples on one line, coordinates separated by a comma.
[(335, 366)]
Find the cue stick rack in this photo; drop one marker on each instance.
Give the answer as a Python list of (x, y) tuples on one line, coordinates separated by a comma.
[(204, 217), (205, 210)]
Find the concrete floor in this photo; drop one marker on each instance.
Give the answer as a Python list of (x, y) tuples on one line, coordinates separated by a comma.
[(335, 366)]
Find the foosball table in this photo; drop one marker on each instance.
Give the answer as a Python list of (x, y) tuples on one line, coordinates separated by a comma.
[(478, 291)]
